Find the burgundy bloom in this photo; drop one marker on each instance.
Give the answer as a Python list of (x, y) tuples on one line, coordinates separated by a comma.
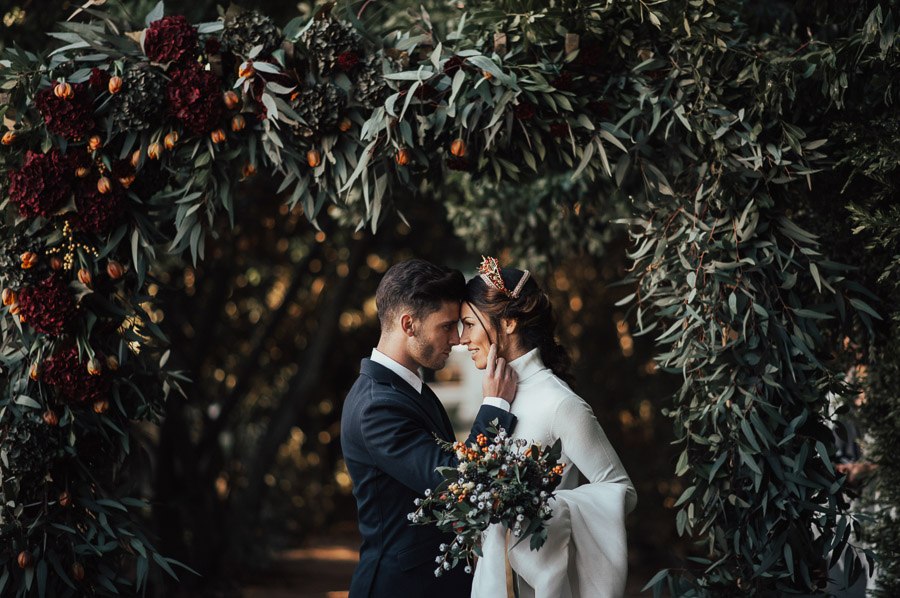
[(70, 377), (559, 129), (425, 92), (590, 54), (48, 306), (99, 80), (195, 99), (212, 45), (97, 212), (71, 119), (599, 107), (454, 163), (453, 64), (346, 61), (563, 82), (43, 185), (171, 39), (524, 110)]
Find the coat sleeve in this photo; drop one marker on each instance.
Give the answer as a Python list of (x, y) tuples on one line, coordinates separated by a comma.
[(585, 443), (403, 446)]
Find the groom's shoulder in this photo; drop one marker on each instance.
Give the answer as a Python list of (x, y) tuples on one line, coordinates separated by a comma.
[(375, 382)]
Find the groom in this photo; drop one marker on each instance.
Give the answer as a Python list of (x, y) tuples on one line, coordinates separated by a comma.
[(388, 426)]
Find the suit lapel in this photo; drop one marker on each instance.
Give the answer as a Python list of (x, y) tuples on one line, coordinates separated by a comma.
[(431, 409), (445, 419)]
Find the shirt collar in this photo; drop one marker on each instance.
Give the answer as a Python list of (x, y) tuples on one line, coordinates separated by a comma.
[(408, 375)]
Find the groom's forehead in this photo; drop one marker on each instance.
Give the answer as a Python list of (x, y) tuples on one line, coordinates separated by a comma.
[(447, 312)]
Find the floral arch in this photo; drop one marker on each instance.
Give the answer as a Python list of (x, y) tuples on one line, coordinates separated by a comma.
[(126, 141)]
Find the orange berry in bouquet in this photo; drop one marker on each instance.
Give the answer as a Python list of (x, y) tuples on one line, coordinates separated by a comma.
[(497, 480)]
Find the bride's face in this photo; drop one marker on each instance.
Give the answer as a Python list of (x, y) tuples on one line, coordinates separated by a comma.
[(474, 336)]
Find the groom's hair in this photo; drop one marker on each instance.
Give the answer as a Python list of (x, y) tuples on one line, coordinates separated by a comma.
[(419, 286)]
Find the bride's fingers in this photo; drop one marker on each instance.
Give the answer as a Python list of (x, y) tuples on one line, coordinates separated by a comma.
[(501, 367), (491, 360)]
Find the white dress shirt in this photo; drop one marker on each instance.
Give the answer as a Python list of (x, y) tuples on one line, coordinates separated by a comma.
[(416, 382)]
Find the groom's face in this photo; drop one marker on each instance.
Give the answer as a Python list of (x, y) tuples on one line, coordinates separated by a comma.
[(434, 336)]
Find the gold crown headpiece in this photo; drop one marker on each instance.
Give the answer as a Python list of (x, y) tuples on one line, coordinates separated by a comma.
[(490, 273)]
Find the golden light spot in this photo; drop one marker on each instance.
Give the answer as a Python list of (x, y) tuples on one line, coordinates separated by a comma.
[(222, 486), (219, 375), (369, 308), (375, 262), (646, 410), (575, 303), (275, 296), (324, 437), (320, 237), (297, 435), (325, 407), (343, 270), (269, 479)]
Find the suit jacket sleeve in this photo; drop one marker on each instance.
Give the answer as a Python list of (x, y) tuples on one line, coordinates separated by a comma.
[(405, 448)]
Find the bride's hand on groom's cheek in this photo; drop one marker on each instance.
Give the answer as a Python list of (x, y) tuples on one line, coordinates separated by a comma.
[(500, 380)]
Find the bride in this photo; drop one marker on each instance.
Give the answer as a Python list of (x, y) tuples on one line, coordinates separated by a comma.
[(585, 554)]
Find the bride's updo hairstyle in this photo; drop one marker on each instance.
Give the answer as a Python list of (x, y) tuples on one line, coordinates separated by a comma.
[(530, 307)]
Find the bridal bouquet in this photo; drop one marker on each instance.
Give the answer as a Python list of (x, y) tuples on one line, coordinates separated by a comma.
[(497, 480)]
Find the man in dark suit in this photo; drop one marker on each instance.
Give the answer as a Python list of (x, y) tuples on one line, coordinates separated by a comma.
[(388, 429)]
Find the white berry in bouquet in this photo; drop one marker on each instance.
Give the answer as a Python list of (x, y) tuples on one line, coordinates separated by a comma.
[(496, 480)]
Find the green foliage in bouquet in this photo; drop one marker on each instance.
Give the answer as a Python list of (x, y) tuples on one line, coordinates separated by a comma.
[(497, 480)]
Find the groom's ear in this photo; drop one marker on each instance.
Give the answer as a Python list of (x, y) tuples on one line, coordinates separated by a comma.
[(406, 325)]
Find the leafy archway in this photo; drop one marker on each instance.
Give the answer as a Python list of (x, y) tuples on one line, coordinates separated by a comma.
[(125, 143)]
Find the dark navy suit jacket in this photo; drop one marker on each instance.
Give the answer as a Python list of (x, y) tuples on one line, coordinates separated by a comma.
[(387, 436)]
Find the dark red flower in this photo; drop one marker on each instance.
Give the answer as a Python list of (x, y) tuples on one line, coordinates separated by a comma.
[(212, 45), (455, 163), (559, 129), (99, 80), (97, 212), (599, 107), (195, 99), (425, 92), (346, 61), (71, 119), (564, 82), (524, 110), (590, 53), (453, 64), (43, 185), (48, 306), (68, 374), (171, 39)]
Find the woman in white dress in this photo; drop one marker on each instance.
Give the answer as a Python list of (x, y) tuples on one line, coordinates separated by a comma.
[(585, 554)]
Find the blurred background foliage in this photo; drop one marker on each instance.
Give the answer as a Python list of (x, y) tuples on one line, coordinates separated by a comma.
[(271, 325)]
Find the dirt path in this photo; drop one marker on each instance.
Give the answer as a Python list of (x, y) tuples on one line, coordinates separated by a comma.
[(323, 568)]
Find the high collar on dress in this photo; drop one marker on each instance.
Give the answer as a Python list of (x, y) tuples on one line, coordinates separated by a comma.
[(528, 365)]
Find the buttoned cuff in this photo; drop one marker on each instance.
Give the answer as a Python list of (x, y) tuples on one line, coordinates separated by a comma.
[(497, 402)]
